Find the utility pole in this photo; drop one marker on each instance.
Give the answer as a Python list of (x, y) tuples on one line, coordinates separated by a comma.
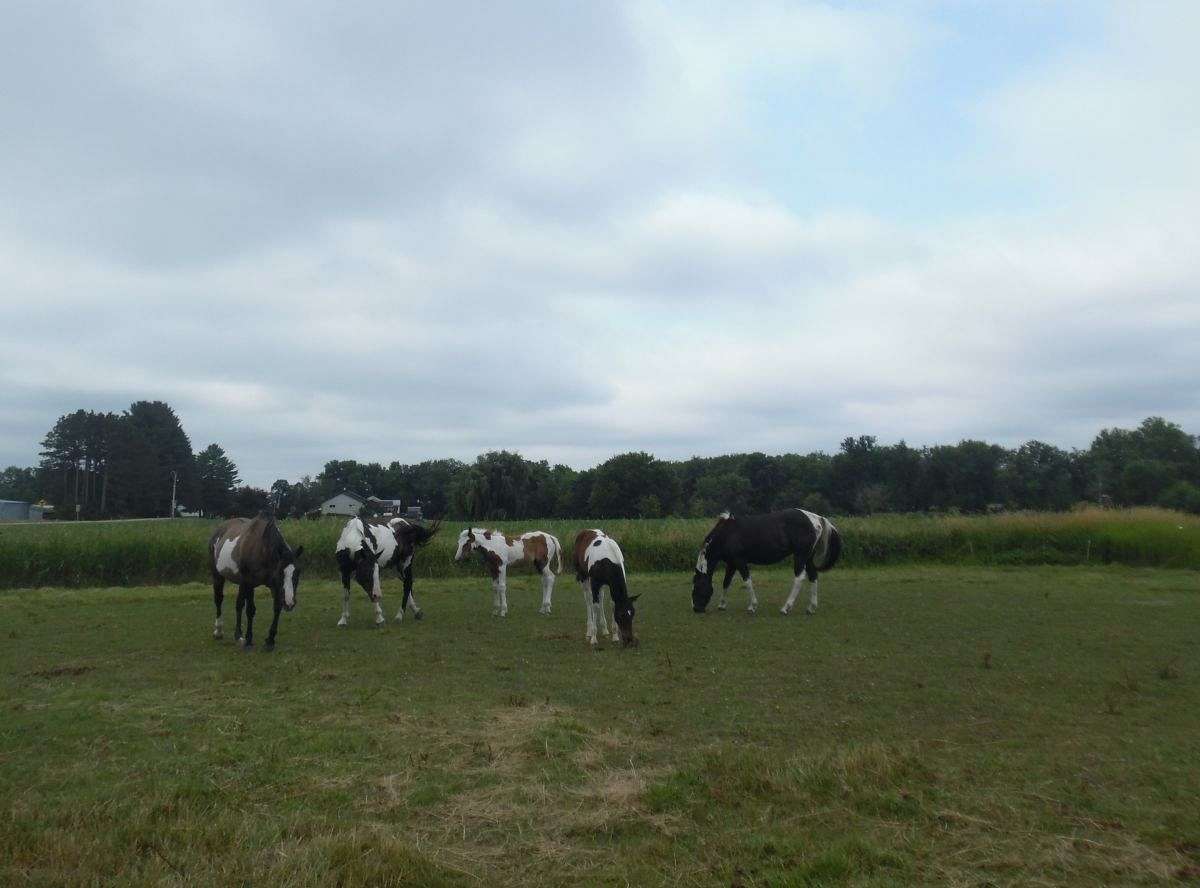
[(174, 479)]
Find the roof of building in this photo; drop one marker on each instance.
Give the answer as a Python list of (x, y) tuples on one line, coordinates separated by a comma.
[(348, 493)]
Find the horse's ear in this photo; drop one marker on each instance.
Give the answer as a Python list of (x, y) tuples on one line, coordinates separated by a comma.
[(299, 551)]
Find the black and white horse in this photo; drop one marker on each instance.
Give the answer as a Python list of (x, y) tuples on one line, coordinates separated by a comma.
[(252, 552), (366, 546), (812, 541), (599, 563)]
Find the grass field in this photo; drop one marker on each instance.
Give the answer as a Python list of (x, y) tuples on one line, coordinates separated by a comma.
[(156, 552), (939, 725)]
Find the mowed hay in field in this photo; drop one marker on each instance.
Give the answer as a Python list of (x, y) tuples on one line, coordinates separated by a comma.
[(930, 725), (154, 552)]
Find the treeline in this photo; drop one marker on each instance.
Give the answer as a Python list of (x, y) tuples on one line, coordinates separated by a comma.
[(124, 465)]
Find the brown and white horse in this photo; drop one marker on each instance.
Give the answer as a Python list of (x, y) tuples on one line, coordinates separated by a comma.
[(599, 563), (252, 552), (500, 551)]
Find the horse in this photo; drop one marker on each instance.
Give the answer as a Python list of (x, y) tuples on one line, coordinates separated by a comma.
[(599, 563), (812, 541), (498, 551), (368, 545), (252, 552)]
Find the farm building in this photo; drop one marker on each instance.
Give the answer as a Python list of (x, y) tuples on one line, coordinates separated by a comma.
[(349, 504), (16, 510), (394, 507), (343, 503)]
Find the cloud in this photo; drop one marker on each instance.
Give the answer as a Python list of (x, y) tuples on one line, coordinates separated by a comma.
[(364, 231)]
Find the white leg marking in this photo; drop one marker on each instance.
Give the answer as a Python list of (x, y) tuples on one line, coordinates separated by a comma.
[(345, 620), (724, 602), (503, 592), (379, 617), (590, 631), (218, 631), (412, 599), (495, 598), (753, 598), (547, 589), (791, 599), (812, 598), (600, 613)]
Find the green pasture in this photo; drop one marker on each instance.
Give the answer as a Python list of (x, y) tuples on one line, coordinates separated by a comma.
[(941, 725)]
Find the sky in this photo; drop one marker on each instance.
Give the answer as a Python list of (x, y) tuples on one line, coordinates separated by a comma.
[(399, 231)]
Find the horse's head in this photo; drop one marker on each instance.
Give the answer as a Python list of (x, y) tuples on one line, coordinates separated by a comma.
[(466, 544), (702, 585), (623, 616), (289, 580)]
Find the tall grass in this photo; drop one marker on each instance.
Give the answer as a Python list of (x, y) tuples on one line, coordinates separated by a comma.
[(153, 552)]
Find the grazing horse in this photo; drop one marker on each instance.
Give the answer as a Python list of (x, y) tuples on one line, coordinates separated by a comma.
[(765, 539), (366, 546), (498, 551), (599, 563), (252, 552)]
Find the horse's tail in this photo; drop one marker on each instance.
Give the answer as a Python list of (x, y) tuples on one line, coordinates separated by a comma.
[(421, 533), (833, 546), (557, 551)]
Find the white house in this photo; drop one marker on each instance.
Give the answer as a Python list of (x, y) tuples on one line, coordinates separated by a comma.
[(343, 503)]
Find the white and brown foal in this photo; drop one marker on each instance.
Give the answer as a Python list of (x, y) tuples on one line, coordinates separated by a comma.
[(600, 563), (499, 552)]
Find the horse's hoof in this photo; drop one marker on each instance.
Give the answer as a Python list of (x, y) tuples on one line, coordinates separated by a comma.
[(722, 607), (380, 621), (343, 623), (419, 615), (268, 647), (751, 611), (784, 611), (247, 645), (810, 611), (218, 635)]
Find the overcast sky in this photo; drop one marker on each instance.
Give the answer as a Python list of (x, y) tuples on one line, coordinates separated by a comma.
[(402, 231)]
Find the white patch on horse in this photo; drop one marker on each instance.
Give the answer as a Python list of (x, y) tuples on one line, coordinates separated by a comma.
[(725, 515), (289, 590), (702, 561), (226, 566)]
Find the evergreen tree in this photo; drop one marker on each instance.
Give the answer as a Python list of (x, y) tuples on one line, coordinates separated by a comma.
[(217, 476)]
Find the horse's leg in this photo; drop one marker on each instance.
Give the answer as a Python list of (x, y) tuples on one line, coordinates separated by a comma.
[(218, 599), (590, 632), (612, 606), (729, 572), (744, 570), (598, 598), (241, 606), (376, 595), (270, 645), (547, 575), (409, 598), (503, 581), (798, 570), (346, 573), (250, 611), (811, 570)]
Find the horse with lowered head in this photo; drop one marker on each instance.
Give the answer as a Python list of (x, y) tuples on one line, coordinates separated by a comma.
[(812, 541), (366, 546), (252, 552), (599, 563)]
